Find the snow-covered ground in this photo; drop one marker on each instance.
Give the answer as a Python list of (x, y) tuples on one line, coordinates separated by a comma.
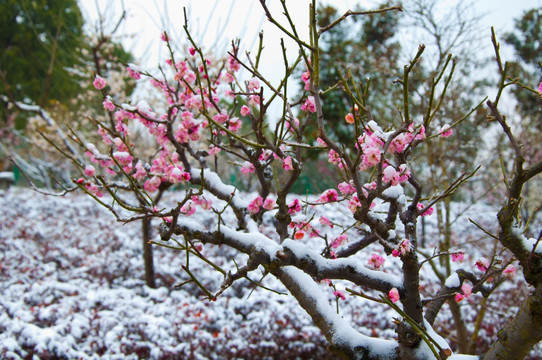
[(72, 287)]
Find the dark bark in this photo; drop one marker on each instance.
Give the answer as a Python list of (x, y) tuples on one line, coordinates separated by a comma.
[(517, 338), (146, 230)]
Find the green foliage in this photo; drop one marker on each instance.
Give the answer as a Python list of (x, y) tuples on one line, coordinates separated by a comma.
[(40, 40), (527, 43)]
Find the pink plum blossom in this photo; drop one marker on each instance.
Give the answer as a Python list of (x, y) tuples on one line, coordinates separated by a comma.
[(482, 264), (349, 118), (346, 188), (245, 110), (133, 73), (268, 204), (99, 83), (467, 292), (152, 184), (294, 207), (376, 261), (188, 208), (306, 78), (458, 256), (427, 212), (309, 105), (371, 157), (340, 240), (446, 131), (287, 163), (390, 175), (253, 84), (254, 100), (214, 150), (89, 170), (254, 206), (140, 173), (509, 271), (329, 196), (247, 168), (108, 104), (354, 204), (393, 295), (235, 124), (339, 294)]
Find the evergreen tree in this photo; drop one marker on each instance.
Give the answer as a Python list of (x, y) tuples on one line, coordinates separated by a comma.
[(40, 41)]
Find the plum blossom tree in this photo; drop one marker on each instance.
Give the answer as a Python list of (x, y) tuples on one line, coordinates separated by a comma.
[(199, 124)]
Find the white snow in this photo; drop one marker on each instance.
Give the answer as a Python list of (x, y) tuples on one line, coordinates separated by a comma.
[(71, 285), (453, 281), (394, 191)]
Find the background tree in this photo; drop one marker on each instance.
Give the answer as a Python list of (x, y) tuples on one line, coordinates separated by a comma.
[(40, 42), (527, 70)]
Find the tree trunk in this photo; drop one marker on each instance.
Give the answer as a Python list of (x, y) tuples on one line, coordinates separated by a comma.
[(147, 253), (522, 333), (462, 334)]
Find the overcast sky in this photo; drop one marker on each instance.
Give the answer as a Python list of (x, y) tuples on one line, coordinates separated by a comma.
[(214, 23)]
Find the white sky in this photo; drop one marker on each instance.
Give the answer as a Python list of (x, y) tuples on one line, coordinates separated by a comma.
[(214, 23)]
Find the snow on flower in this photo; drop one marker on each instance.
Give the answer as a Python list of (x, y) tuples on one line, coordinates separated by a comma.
[(346, 188), (123, 157), (108, 104), (309, 105), (89, 170), (247, 168), (371, 157), (99, 83), (152, 184), (177, 175), (376, 261), (404, 247), (321, 142), (133, 73), (446, 131), (390, 175), (393, 295), (253, 84), (354, 204), (245, 110), (188, 208), (509, 271)]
